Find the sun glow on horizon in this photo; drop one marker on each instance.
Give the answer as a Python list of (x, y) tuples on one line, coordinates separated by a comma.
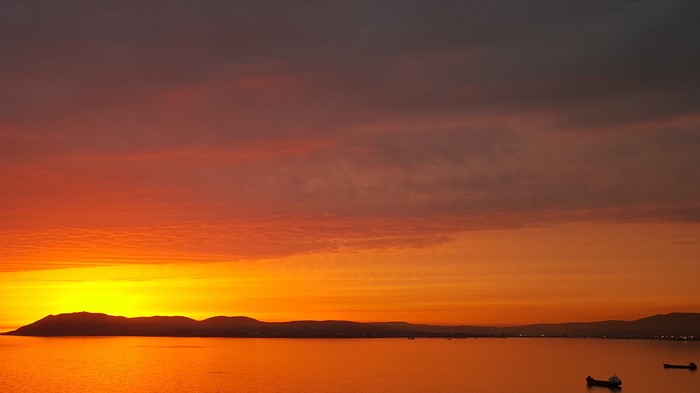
[(367, 161), (475, 278)]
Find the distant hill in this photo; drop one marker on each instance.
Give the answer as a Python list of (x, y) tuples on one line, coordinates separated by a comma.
[(95, 324), (675, 325)]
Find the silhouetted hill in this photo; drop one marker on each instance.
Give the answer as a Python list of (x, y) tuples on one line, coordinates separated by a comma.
[(95, 324), (675, 325)]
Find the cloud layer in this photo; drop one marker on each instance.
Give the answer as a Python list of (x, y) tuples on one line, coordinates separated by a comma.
[(277, 123)]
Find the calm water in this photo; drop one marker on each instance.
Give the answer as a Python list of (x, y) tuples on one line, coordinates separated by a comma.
[(143, 364)]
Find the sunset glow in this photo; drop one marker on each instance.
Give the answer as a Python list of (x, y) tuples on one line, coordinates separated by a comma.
[(364, 161)]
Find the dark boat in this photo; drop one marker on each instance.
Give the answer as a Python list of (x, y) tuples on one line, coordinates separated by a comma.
[(612, 382), (689, 366)]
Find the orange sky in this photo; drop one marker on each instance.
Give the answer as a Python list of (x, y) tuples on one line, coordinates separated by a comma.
[(456, 164)]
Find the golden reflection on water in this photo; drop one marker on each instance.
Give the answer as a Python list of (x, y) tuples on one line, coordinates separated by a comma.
[(146, 364)]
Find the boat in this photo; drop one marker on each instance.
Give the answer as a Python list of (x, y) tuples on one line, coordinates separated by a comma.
[(612, 382), (689, 366)]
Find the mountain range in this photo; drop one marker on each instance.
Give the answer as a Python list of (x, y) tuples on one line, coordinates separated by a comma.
[(671, 326)]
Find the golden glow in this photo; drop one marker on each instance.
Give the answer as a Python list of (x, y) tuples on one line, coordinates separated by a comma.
[(348, 170), (563, 273)]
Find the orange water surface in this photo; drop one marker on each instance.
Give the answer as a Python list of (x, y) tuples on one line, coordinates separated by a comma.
[(147, 364)]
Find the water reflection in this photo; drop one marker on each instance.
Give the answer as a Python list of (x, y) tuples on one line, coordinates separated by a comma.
[(162, 364)]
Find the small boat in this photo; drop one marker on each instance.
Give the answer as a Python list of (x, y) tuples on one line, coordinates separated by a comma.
[(612, 382), (689, 366)]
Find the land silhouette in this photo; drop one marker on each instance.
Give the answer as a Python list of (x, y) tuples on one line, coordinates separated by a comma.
[(685, 326)]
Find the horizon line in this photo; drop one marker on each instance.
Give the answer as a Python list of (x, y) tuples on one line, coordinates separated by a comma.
[(353, 321)]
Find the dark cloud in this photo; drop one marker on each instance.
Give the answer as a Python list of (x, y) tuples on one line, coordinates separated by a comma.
[(572, 57), (178, 111)]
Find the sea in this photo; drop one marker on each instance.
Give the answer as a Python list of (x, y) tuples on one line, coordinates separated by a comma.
[(165, 364)]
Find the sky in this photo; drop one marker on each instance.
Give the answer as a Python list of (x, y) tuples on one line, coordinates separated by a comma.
[(452, 162)]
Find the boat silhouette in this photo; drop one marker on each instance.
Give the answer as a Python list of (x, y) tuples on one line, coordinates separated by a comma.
[(689, 366), (612, 382)]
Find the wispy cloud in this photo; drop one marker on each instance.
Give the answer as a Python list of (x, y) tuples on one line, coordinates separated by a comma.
[(164, 132)]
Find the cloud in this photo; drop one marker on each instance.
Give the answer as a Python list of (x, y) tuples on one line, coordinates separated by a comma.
[(371, 56), (225, 240), (164, 115)]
